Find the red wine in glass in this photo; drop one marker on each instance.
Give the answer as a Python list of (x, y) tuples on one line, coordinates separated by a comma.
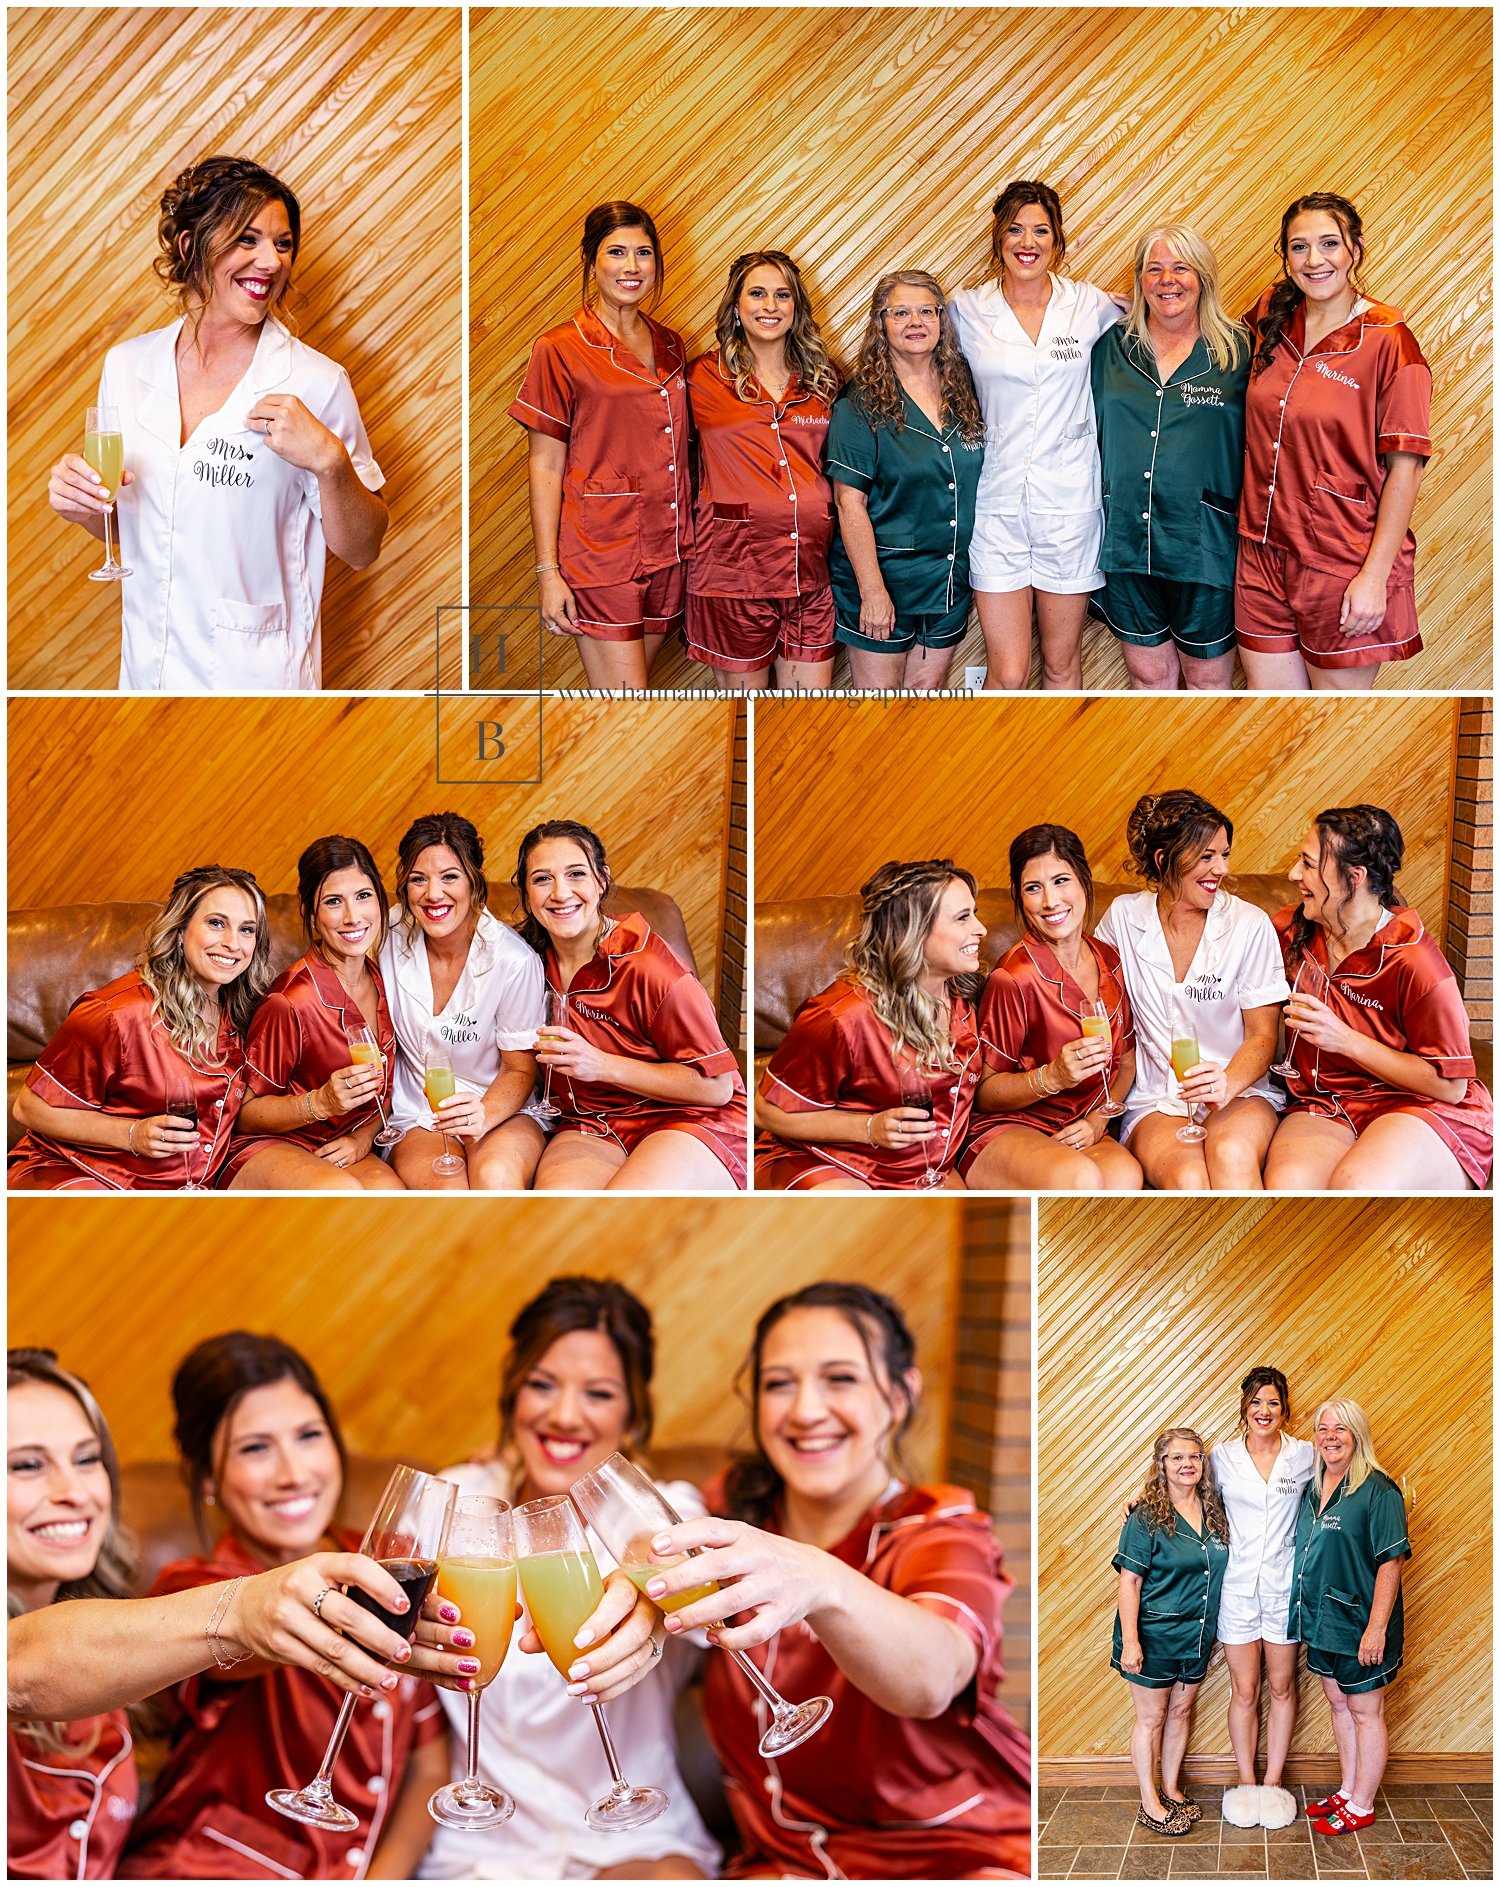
[(415, 1577)]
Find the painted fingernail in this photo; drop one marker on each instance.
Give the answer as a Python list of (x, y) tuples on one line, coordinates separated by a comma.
[(403, 1604), (578, 1670), (577, 1690), (366, 1692), (448, 1614), (672, 1623), (404, 1653), (469, 1666), (464, 1683), (463, 1639), (389, 1681), (585, 1637), (662, 1543), (588, 1697), (655, 1588)]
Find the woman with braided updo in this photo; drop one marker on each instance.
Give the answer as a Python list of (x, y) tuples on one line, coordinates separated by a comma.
[(247, 456), (872, 1086), (1382, 1097), (1337, 435), (1204, 967)]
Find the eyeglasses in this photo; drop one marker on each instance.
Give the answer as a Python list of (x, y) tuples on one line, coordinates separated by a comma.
[(927, 313)]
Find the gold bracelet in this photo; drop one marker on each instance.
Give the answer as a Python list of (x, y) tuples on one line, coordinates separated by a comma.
[(130, 1137), (211, 1629), (869, 1123), (547, 566)]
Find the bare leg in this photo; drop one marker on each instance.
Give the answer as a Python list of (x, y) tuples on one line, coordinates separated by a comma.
[(1343, 680), (1145, 1744), (1060, 621), (803, 675), (736, 682), (670, 1161), (1304, 1151), (414, 1154), (927, 668), (1275, 674), (669, 1867), (1281, 1675), (575, 1162), (1155, 671), (1244, 1707), (1170, 1164), (1023, 1159), (293, 1169), (1238, 1136), (617, 664), (1399, 1153), (1343, 1733), (1208, 674), (1372, 1746), (1005, 618), (883, 669), (505, 1158), (1174, 1738), (837, 1182)]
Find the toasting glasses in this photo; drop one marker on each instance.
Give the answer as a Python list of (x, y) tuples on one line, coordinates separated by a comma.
[(1311, 979), (104, 449), (440, 1084), (1185, 1055), (182, 1104), (917, 1093), (561, 1583), (407, 1537), (1095, 1025), (478, 1573), (626, 1511), (554, 1016), (364, 1052)]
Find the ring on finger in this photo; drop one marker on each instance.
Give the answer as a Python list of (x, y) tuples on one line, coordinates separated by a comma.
[(318, 1603)]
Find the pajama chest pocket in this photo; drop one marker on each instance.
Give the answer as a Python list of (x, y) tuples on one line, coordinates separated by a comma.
[(607, 525), (252, 646), (1341, 509), (1218, 537)]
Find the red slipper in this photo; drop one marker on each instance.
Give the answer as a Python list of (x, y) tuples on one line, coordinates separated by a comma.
[(1328, 1804), (1342, 1822)]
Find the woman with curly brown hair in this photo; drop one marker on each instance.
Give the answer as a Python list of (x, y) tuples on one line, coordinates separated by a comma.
[(140, 1087), (905, 449), (1381, 1096), (872, 1086), (1173, 1552), (758, 588), (1203, 973), (248, 458), (1337, 435)]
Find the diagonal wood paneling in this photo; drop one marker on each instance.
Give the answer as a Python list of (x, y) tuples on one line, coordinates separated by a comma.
[(842, 786), (358, 109), (1152, 1312), (404, 1314), (253, 782), (880, 139)]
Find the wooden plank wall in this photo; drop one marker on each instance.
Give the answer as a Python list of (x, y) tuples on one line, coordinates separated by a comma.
[(841, 787), (253, 782), (358, 109), (881, 138), (404, 1314), (1152, 1312)]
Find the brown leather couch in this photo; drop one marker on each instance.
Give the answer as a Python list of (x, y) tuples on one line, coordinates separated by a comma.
[(57, 952), (799, 949), (154, 1505)]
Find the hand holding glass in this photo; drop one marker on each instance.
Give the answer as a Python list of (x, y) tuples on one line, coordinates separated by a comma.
[(555, 1016), (440, 1084), (182, 1104), (478, 1574), (561, 1585), (1095, 1026), (916, 1093), (1186, 1055), (104, 449), (626, 1511), (364, 1052), (407, 1538), (1308, 976)]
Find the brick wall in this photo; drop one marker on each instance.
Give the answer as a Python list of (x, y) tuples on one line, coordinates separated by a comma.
[(1469, 938), (732, 984), (989, 1438)]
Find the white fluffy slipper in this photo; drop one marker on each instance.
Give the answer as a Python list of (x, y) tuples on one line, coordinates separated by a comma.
[(1241, 1806), (1278, 1807)]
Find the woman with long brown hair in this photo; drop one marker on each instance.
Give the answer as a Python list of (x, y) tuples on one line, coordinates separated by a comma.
[(904, 453), (605, 404), (897, 1589), (758, 592), (575, 1388), (1056, 1035), (140, 1087), (873, 1083), (1382, 1095), (647, 1094), (1337, 435), (1027, 334), (465, 991), (1173, 1551), (310, 1118), (246, 456)]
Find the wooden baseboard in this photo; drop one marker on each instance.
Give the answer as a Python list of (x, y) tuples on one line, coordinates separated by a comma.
[(1092, 1772)]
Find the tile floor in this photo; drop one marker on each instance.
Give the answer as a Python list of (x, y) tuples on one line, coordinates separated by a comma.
[(1420, 1833)]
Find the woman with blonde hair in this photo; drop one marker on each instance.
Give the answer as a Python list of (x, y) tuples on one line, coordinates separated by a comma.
[(1169, 401), (1346, 1603), (1174, 1548), (140, 1087), (758, 590), (1027, 333), (246, 454), (905, 450), (872, 1086)]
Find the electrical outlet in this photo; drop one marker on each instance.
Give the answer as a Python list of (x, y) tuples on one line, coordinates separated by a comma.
[(974, 677)]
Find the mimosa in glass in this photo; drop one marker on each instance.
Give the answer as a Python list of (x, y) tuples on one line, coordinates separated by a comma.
[(440, 1083), (478, 1574), (364, 1052), (1095, 1026), (104, 449)]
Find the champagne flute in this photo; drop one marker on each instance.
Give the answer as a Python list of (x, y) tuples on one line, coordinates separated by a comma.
[(478, 1573), (554, 1016), (916, 1093), (104, 449), (1409, 1493), (1286, 1066), (407, 1536), (182, 1104), (1186, 1054), (1095, 1025), (364, 1052), (561, 1583), (440, 1084), (627, 1512)]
